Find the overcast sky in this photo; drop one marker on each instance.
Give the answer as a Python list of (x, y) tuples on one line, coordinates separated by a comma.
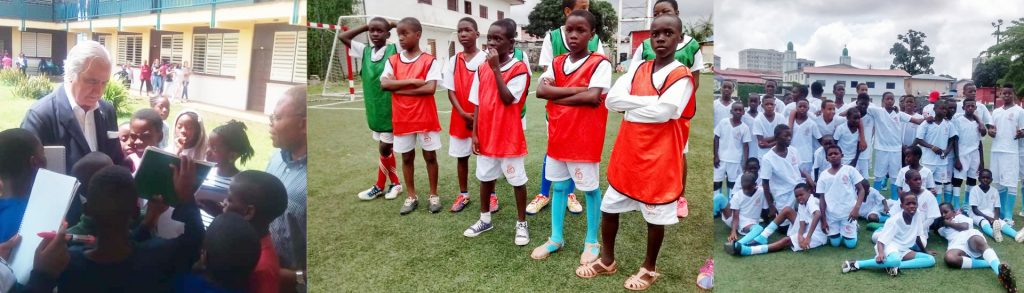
[(956, 30), (689, 10)]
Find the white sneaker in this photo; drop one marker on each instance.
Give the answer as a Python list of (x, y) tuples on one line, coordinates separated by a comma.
[(393, 192), (522, 234), (848, 266), (997, 230), (370, 194), (1020, 236)]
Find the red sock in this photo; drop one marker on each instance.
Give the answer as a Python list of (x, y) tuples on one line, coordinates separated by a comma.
[(381, 173), (389, 163)]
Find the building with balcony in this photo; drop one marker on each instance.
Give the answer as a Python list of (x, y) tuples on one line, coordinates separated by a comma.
[(243, 53)]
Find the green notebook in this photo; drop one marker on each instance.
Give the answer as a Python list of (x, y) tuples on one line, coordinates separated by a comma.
[(155, 175)]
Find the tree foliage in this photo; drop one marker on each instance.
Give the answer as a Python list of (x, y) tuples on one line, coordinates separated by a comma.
[(988, 73), (702, 29), (911, 54), (1011, 52), (319, 40), (548, 15)]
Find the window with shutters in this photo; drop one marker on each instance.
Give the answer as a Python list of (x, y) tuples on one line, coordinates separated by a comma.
[(890, 85), (103, 40), (501, 15), (129, 49), (483, 12), (288, 63), (215, 53), (172, 48), (428, 2), (37, 45), (453, 5), (469, 7)]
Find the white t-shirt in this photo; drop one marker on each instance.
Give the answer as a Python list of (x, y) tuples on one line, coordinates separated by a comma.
[(847, 141), (356, 51), (936, 134), (812, 111), (897, 235), (766, 129), (754, 150), (516, 86), (434, 73), (731, 140), (820, 161), (448, 76), (927, 182), (547, 54), (722, 111), (873, 201), (981, 112), (829, 128), (805, 212), (949, 233), (650, 109), (986, 201), (967, 131), (1007, 122), (749, 206), (601, 78), (804, 136), (782, 173), (910, 130), (927, 206), (889, 130), (839, 190)]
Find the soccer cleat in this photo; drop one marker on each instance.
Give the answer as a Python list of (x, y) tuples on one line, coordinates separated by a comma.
[(849, 266), (1006, 278), (706, 278), (477, 228), (538, 203), (410, 205), (574, 205), (522, 234), (730, 248), (460, 203), (997, 230), (435, 204), (494, 202), (393, 191), (893, 271), (681, 208), (371, 193)]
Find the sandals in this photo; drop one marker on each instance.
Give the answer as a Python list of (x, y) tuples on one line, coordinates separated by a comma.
[(543, 251), (595, 269), (637, 283), (589, 255)]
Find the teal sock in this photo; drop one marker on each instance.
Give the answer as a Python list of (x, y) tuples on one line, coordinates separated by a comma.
[(850, 242), (1011, 200), (719, 202), (1008, 230), (755, 230), (1003, 191), (834, 240), (559, 199), (766, 233), (986, 228), (891, 260), (993, 260), (593, 208), (879, 182), (882, 218), (920, 260), (977, 263)]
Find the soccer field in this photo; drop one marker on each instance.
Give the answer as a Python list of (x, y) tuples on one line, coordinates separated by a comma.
[(359, 245), (820, 270)]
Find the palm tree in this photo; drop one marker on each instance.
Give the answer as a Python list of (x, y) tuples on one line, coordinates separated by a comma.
[(701, 29)]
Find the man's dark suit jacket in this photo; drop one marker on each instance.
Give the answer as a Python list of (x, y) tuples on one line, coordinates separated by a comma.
[(53, 122)]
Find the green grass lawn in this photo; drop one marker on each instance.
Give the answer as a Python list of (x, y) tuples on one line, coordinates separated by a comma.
[(356, 245), (819, 269), (13, 111)]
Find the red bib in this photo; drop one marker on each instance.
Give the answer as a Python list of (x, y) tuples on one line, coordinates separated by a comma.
[(576, 133), (463, 83), (644, 152), (413, 114), (499, 128)]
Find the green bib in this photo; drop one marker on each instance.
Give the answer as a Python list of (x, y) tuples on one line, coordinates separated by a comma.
[(518, 54), (684, 55), (377, 100), (558, 47)]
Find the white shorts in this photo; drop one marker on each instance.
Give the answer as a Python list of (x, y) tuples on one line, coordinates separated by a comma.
[(586, 175), (817, 238), (940, 173), (970, 163), (489, 169), (842, 227), (428, 141), (744, 222), (727, 171), (385, 137), (460, 147), (616, 203), (979, 219), (1005, 169), (887, 164), (960, 242)]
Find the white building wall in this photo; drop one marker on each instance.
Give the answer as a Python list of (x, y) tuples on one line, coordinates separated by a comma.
[(851, 93)]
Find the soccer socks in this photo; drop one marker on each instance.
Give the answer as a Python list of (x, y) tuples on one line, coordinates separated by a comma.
[(593, 214), (993, 261), (762, 238), (753, 250), (1008, 230), (850, 242), (879, 182), (882, 218), (389, 166), (719, 202), (1003, 193), (559, 199), (894, 191), (755, 231), (973, 263), (1011, 200), (956, 197), (545, 184), (485, 217), (986, 228), (891, 260), (920, 260), (382, 175)]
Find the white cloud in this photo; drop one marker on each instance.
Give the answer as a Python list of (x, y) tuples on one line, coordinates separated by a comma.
[(956, 30)]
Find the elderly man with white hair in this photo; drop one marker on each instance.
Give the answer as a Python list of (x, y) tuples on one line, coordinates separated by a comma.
[(74, 115)]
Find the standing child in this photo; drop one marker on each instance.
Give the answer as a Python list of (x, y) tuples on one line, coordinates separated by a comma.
[(888, 140), (893, 249), (499, 86), (162, 105), (969, 130), (376, 100), (749, 116), (764, 125), (146, 130), (781, 172), (228, 143), (723, 106), (458, 78), (851, 138), (575, 86), (731, 147), (805, 236), (841, 189), (656, 97), (968, 249), (805, 133), (1006, 129), (986, 208), (939, 137), (411, 76), (829, 121)]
